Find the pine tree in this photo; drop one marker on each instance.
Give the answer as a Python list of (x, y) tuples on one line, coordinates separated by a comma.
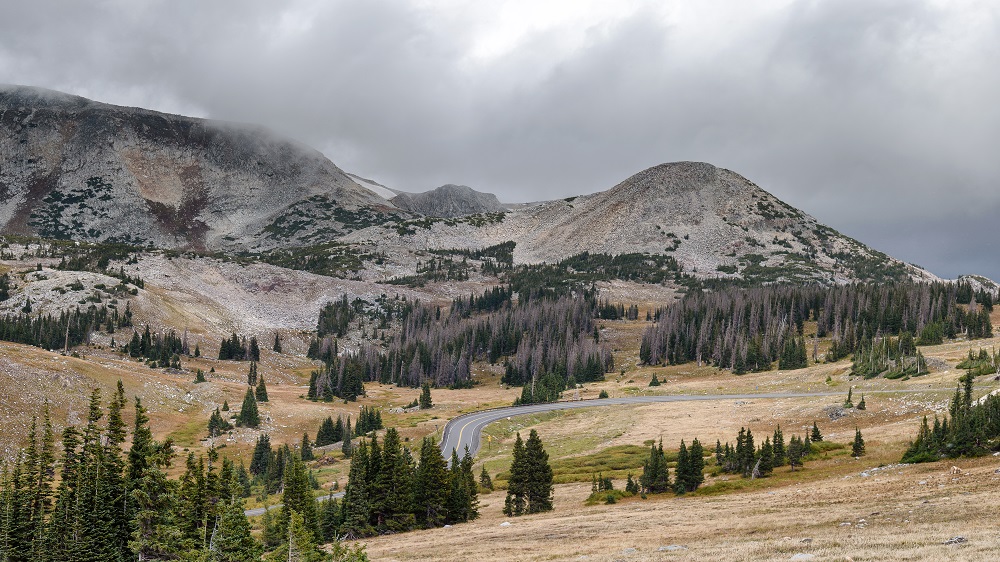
[(655, 478), (393, 506), (155, 534), (517, 485), (356, 507), (681, 470), (232, 541), (795, 452), (261, 392), (252, 375), (858, 447), (696, 466), (539, 475), (306, 449), (816, 436), (654, 381), (261, 455), (347, 446), (862, 405), (225, 405), (425, 397), (848, 403), (217, 425), (277, 343), (297, 497), (766, 459), (249, 416), (430, 486), (778, 444), (485, 482)]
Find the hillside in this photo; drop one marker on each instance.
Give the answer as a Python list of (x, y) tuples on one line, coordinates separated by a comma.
[(714, 222), (82, 170)]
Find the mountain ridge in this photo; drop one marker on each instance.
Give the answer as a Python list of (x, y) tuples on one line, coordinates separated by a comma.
[(82, 170)]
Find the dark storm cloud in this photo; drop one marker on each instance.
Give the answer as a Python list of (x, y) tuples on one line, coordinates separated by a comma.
[(877, 117)]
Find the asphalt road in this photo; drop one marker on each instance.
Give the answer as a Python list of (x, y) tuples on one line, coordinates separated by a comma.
[(466, 430)]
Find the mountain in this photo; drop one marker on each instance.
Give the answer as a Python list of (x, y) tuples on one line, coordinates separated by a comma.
[(714, 222), (78, 169), (448, 201), (72, 168)]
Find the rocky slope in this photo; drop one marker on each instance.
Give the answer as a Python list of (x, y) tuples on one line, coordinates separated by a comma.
[(715, 222), (448, 201), (77, 169)]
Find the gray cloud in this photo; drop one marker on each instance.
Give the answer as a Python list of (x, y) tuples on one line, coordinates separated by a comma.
[(878, 117)]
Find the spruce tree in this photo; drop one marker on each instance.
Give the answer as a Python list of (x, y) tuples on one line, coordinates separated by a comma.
[(249, 416), (232, 541), (306, 449), (816, 436), (297, 497), (862, 405), (425, 397), (795, 452), (485, 482), (517, 485), (858, 446), (655, 478), (778, 444), (430, 486), (681, 470), (393, 506), (347, 446), (539, 475), (261, 455), (277, 343), (261, 392), (252, 375), (356, 507), (766, 459)]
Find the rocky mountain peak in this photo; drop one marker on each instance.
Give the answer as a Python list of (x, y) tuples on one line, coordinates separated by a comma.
[(448, 201)]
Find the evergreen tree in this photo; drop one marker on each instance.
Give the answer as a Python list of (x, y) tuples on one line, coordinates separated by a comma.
[(306, 449), (778, 444), (277, 343), (154, 531), (261, 455), (517, 486), (297, 497), (325, 434), (655, 478), (249, 416), (252, 375), (393, 504), (485, 482), (347, 446), (816, 436), (849, 403), (217, 425), (795, 452), (858, 446), (862, 405), (430, 486), (681, 470), (539, 475), (232, 541), (356, 507), (425, 397), (765, 464), (225, 405), (261, 392), (654, 381)]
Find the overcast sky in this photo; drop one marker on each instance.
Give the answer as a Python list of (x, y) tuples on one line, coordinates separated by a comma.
[(880, 118)]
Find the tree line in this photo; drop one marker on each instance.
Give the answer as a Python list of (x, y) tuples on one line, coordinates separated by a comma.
[(748, 329), (556, 336), (99, 502)]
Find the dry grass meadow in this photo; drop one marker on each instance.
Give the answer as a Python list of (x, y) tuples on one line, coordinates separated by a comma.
[(836, 508)]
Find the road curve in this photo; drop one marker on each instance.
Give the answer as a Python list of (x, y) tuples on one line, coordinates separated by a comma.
[(466, 430)]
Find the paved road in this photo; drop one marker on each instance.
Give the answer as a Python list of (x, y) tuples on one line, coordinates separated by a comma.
[(466, 430)]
